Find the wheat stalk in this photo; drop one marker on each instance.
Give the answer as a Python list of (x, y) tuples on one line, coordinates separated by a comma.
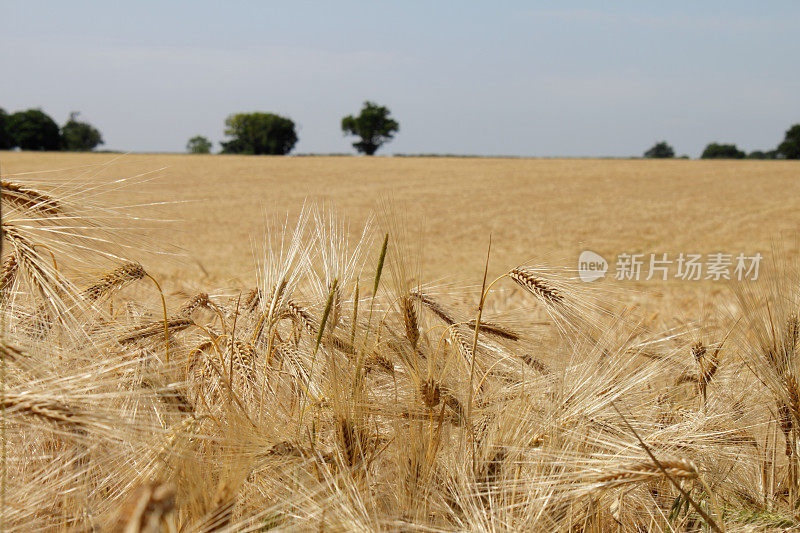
[(793, 394), (495, 329), (435, 307), (430, 391), (336, 310), (303, 319), (29, 199), (642, 472), (146, 331), (115, 280), (378, 361), (192, 304), (8, 272), (44, 408), (536, 285), (460, 341), (51, 285), (301, 316), (792, 333), (410, 320), (449, 318), (251, 300), (535, 363)]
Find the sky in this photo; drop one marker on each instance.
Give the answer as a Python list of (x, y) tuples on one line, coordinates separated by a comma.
[(522, 78)]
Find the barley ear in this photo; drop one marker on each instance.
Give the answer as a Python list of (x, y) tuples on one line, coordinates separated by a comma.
[(115, 280), (536, 285), (381, 261), (29, 199), (410, 320)]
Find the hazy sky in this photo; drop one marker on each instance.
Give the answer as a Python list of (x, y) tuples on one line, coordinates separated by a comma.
[(517, 78)]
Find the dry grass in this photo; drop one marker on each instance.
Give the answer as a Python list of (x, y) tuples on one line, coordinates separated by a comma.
[(312, 390)]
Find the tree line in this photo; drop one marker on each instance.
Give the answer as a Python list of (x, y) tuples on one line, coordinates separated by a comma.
[(271, 134), (788, 149), (33, 129)]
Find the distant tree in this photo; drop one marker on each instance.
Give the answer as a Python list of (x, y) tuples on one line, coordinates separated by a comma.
[(722, 151), (790, 147), (198, 145), (660, 150), (79, 136), (6, 141), (259, 133), (34, 130), (374, 125), (759, 154)]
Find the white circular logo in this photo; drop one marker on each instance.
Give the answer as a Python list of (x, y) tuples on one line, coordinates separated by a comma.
[(591, 266)]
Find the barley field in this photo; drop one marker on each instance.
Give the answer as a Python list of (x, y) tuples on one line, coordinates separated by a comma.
[(534, 209), (221, 343)]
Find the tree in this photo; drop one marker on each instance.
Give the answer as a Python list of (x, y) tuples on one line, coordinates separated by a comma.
[(790, 147), (373, 125), (760, 154), (660, 150), (6, 141), (34, 130), (198, 145), (722, 151), (79, 136), (259, 133)]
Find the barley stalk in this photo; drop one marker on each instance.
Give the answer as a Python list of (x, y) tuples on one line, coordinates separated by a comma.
[(536, 285), (460, 341), (29, 199), (115, 280), (146, 331), (410, 320), (496, 329), (8, 273), (301, 316), (44, 408), (435, 307), (192, 304), (642, 472)]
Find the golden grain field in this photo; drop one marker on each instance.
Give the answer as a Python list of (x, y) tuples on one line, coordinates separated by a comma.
[(534, 209), (215, 344)]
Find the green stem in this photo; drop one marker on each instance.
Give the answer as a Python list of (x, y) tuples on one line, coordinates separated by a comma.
[(325, 314)]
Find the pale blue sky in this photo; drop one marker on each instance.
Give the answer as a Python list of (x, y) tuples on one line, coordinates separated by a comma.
[(517, 78)]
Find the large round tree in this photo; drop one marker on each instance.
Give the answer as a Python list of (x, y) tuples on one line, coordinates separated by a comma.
[(660, 150), (374, 125), (79, 136), (259, 133), (34, 130), (199, 145), (722, 151)]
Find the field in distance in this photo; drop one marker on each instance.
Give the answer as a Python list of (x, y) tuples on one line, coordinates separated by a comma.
[(536, 210)]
